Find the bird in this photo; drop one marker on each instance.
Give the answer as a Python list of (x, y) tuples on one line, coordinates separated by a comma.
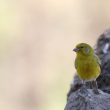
[(87, 65)]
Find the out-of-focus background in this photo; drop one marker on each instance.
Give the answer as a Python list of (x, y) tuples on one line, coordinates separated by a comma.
[(36, 42)]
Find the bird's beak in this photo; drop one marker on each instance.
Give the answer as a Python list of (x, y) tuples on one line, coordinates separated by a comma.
[(75, 49)]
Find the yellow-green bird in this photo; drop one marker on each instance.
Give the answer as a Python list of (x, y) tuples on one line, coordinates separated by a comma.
[(87, 64)]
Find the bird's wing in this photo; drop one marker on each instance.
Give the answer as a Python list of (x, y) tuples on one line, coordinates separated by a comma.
[(76, 63), (97, 59)]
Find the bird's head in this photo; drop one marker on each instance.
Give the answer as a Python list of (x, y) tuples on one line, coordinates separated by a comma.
[(83, 49)]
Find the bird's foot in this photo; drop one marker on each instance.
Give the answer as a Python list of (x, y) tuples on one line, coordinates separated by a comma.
[(95, 91)]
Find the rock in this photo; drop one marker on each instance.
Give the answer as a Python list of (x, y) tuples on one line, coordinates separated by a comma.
[(85, 99)]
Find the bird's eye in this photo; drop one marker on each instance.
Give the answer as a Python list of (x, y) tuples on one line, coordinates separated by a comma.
[(81, 47)]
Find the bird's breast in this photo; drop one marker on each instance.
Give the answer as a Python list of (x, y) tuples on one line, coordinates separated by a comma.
[(88, 68)]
